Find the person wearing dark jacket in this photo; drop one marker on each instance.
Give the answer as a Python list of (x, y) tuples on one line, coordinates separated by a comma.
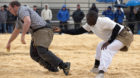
[(77, 16), (3, 18), (137, 15), (94, 8), (10, 22), (131, 19)]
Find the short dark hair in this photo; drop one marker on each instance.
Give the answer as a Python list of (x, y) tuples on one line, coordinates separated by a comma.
[(78, 4), (13, 3), (35, 6), (92, 15)]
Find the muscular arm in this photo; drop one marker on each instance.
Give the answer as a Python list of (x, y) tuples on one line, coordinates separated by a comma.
[(81, 30), (26, 25)]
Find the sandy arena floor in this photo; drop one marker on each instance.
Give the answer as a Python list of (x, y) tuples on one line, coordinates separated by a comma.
[(79, 50)]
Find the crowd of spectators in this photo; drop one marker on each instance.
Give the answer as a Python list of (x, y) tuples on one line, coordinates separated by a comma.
[(7, 20), (132, 17)]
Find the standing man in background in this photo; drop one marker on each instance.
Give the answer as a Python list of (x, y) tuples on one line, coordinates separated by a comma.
[(46, 14), (3, 18), (10, 22), (108, 13), (137, 15), (119, 16), (94, 8), (131, 19), (63, 17), (77, 16)]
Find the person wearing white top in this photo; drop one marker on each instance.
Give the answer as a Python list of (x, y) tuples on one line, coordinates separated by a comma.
[(46, 14), (115, 37)]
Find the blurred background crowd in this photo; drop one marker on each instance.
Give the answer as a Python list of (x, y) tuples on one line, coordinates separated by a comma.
[(66, 16)]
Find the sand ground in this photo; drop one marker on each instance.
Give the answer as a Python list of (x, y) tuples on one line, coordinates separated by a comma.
[(79, 50)]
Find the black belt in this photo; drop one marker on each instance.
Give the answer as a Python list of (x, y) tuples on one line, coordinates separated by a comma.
[(125, 27)]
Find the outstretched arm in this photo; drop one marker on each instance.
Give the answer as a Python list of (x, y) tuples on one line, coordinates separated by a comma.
[(81, 30), (13, 37)]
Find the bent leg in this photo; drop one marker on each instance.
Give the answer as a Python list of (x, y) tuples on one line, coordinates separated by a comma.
[(107, 54), (52, 59), (97, 58), (98, 50), (48, 56), (34, 55)]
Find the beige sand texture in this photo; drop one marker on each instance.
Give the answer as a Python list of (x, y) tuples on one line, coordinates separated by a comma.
[(79, 50)]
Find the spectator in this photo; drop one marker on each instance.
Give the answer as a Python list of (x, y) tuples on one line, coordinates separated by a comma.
[(137, 15), (35, 9), (46, 14), (77, 16), (5, 7), (119, 16), (131, 19), (94, 8), (63, 17), (3, 18), (108, 13), (10, 22)]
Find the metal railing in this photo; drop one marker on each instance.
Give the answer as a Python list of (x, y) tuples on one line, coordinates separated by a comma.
[(71, 25)]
